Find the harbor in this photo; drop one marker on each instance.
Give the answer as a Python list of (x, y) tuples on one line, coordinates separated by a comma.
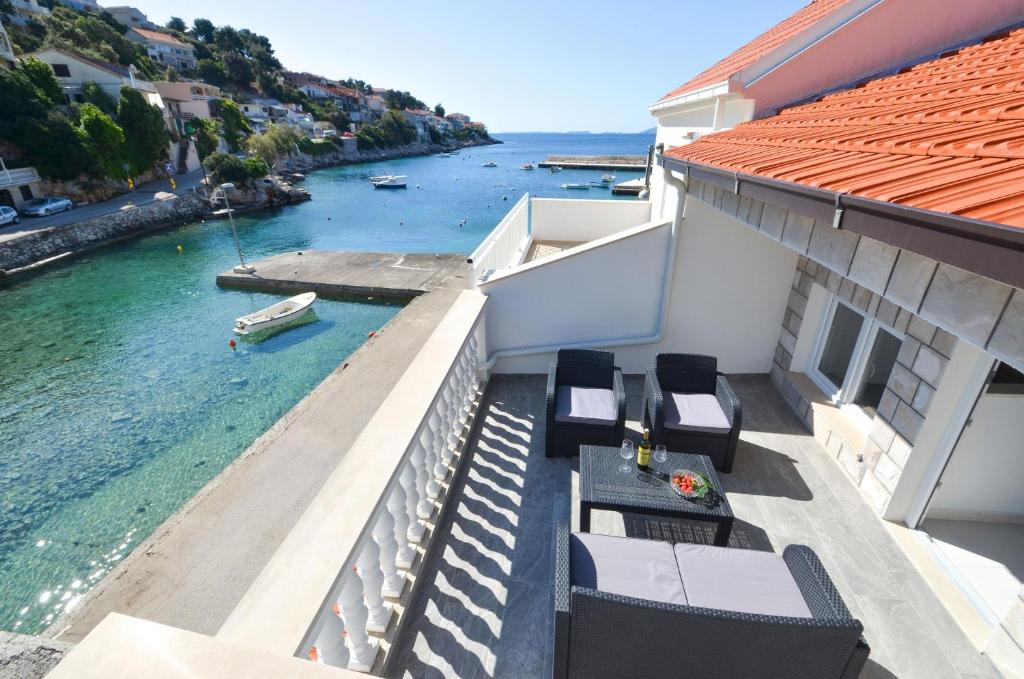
[(614, 163)]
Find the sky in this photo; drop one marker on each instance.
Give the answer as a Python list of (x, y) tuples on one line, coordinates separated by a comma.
[(518, 66)]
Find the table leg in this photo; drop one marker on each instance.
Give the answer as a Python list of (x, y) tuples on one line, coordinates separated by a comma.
[(584, 517), (722, 533)]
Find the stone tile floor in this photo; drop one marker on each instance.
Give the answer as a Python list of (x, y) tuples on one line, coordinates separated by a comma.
[(484, 607)]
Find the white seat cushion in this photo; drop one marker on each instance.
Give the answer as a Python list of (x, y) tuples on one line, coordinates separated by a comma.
[(644, 569), (741, 580), (585, 405), (698, 413)]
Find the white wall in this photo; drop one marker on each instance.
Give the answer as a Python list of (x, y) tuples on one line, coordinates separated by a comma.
[(986, 472), (728, 296), (608, 289), (584, 220)]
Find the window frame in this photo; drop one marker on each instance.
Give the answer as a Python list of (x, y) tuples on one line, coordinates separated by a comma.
[(843, 395)]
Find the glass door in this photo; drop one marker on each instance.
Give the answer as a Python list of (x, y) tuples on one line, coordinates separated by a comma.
[(835, 356), (880, 362)]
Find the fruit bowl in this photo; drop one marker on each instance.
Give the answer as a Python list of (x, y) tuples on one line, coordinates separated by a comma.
[(689, 483)]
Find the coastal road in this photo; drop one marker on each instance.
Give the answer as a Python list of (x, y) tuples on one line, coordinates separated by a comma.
[(143, 194)]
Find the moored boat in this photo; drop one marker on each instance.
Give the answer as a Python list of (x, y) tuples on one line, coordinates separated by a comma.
[(581, 187), (607, 178), (526, 166), (275, 314), (490, 163), (388, 181), (554, 168)]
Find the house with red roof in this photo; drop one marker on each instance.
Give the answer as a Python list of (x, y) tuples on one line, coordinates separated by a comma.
[(839, 203), (164, 48)]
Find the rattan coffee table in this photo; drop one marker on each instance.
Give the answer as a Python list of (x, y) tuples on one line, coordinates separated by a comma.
[(604, 486)]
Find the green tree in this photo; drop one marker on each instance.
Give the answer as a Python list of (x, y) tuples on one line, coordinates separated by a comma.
[(399, 101), (177, 24), (105, 140), (277, 142), (238, 69), (54, 147), (203, 29), (206, 136), (224, 167), (93, 94), (439, 111), (41, 75), (145, 134), (212, 72), (236, 126)]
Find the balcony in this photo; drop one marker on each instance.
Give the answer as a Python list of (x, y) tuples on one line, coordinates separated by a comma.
[(18, 176)]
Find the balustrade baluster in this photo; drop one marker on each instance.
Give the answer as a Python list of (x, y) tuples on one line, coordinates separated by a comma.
[(440, 443), (384, 536), (330, 648), (373, 581), (414, 493), (354, 612)]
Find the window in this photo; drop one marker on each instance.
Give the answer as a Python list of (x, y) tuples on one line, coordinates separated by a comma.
[(854, 358), (61, 70)]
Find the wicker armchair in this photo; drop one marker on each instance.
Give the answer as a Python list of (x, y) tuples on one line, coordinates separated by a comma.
[(606, 635), (679, 414), (586, 402)]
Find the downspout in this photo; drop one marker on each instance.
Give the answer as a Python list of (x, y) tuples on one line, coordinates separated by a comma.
[(666, 293)]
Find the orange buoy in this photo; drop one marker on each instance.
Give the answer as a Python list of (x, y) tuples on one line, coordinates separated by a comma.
[(231, 343), (371, 334)]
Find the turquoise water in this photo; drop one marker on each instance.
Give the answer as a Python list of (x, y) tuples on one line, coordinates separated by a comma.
[(120, 395)]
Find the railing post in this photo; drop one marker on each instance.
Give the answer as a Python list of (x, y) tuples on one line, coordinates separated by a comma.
[(330, 648), (353, 611), (384, 536), (373, 581), (414, 491)]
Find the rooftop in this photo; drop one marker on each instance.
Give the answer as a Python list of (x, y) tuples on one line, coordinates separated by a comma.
[(157, 36), (760, 46), (946, 135), (483, 607)]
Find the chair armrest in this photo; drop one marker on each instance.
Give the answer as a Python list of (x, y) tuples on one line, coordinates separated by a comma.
[(549, 429), (815, 585), (654, 402), (563, 590), (731, 405), (619, 388)]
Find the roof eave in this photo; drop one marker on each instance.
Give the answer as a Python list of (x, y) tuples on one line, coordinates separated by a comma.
[(986, 248), (693, 96)]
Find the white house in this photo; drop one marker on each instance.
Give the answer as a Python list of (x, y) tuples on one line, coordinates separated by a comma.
[(129, 17), (164, 48), (73, 71), (419, 119), (185, 101), (458, 120)]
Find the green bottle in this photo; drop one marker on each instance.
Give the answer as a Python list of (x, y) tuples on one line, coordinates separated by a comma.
[(643, 452)]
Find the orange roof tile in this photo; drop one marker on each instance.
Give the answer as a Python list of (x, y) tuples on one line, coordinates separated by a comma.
[(760, 46), (946, 135), (158, 36)]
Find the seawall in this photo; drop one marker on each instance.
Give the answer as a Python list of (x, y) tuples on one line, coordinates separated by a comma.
[(350, 155)]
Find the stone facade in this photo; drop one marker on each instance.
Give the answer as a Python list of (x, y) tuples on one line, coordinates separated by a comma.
[(932, 304), (29, 657)]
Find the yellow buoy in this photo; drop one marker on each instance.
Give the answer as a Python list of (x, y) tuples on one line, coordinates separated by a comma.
[(180, 249)]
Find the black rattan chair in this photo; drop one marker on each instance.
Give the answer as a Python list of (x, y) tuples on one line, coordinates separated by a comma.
[(586, 402), (673, 389), (606, 635)]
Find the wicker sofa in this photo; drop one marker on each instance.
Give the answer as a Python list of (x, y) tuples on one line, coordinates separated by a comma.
[(690, 407), (627, 607), (586, 402)]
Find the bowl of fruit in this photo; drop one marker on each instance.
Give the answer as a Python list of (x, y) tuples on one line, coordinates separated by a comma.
[(690, 483)]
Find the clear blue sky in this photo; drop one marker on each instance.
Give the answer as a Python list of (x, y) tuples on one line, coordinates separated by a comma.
[(518, 66)]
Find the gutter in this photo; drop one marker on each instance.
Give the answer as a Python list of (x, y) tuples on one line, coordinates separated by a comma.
[(666, 294), (985, 248)]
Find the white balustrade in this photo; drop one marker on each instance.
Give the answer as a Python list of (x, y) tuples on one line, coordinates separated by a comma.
[(346, 634), (506, 245)]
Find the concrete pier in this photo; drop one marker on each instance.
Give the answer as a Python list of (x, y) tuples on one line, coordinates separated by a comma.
[(620, 163), (384, 276)]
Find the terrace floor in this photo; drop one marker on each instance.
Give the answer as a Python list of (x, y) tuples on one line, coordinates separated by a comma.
[(484, 608), (542, 249)]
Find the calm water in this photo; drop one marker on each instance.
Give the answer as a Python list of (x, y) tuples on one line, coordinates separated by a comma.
[(120, 397)]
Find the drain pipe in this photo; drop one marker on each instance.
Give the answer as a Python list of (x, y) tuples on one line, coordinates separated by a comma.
[(666, 293)]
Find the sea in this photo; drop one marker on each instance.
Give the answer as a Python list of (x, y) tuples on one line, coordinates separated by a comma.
[(120, 396)]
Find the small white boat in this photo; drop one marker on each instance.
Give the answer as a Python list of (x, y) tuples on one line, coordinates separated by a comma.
[(444, 155), (389, 181), (490, 163), (582, 187), (600, 185), (607, 178), (526, 166), (554, 168), (455, 152), (275, 314)]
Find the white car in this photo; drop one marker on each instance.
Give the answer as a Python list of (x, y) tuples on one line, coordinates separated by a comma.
[(8, 215), (43, 207)]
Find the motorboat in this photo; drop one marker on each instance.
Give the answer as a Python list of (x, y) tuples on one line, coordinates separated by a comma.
[(554, 168), (526, 166), (607, 178), (389, 181), (581, 187), (490, 163), (444, 155), (600, 185), (275, 314)]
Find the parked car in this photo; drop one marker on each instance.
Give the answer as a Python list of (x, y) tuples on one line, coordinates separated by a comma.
[(8, 215), (42, 207)]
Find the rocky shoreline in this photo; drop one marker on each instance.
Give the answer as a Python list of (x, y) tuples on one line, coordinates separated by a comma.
[(42, 248)]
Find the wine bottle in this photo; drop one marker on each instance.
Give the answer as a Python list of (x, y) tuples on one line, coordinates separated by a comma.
[(643, 452)]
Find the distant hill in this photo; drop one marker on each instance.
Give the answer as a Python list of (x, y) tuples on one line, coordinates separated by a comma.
[(652, 130)]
